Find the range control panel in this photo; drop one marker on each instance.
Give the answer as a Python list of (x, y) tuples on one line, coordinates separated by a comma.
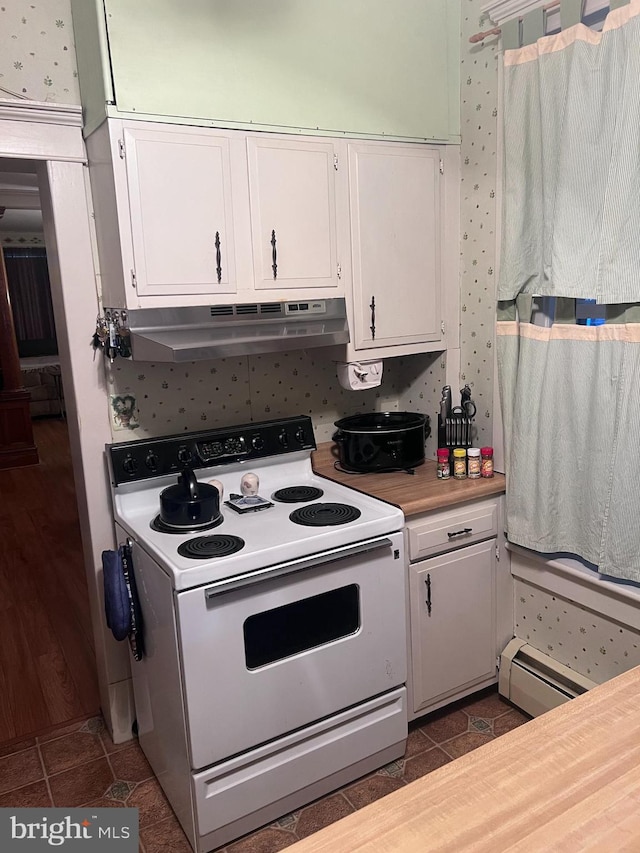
[(156, 457)]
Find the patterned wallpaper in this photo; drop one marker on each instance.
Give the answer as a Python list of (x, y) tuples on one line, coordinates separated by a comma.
[(587, 642), (20, 240), (159, 399), (38, 59), (479, 101), (38, 62)]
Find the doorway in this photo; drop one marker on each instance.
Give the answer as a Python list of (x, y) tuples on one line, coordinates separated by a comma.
[(47, 657), (49, 138)]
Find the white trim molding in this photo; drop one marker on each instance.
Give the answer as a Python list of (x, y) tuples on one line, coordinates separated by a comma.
[(22, 110), (499, 11), (50, 136), (34, 130)]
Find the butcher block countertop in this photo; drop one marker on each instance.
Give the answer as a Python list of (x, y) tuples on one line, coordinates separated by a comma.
[(567, 781), (413, 493)]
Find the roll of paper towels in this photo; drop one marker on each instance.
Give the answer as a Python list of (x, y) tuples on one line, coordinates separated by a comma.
[(358, 375)]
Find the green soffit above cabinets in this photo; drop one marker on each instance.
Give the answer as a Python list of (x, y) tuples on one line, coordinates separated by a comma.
[(365, 68)]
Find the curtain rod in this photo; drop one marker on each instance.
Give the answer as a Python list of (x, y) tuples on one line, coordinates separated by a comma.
[(496, 30)]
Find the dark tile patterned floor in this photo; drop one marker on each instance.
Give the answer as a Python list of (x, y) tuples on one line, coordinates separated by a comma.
[(80, 765)]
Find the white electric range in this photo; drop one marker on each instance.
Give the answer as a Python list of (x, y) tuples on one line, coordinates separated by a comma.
[(275, 640)]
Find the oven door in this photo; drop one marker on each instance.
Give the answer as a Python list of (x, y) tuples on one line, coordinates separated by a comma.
[(271, 652)]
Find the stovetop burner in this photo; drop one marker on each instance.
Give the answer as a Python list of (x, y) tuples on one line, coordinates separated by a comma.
[(321, 515), (159, 525), (297, 494), (297, 514), (207, 547)]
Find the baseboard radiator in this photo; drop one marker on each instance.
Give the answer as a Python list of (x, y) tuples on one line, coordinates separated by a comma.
[(535, 682)]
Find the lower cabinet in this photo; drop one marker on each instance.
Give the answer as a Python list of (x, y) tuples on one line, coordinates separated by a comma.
[(453, 625)]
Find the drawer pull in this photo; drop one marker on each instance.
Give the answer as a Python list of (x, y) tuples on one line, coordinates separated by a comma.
[(460, 532)]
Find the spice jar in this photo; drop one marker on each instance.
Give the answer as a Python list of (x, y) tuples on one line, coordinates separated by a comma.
[(444, 470), (486, 466), (460, 463), (473, 463)]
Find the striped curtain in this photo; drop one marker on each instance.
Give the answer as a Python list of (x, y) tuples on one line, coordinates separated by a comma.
[(570, 386)]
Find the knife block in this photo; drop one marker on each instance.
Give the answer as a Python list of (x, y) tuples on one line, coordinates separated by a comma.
[(455, 431)]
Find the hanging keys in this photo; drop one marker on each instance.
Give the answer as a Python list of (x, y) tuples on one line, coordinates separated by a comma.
[(112, 335), (124, 336), (124, 343), (111, 349), (100, 335)]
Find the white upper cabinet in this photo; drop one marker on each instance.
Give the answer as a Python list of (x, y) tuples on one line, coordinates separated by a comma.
[(293, 213), (194, 216), (396, 221), (181, 211)]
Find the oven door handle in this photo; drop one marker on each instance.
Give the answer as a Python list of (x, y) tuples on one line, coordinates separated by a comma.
[(295, 566)]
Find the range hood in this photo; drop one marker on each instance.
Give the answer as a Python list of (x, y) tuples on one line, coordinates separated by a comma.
[(216, 331)]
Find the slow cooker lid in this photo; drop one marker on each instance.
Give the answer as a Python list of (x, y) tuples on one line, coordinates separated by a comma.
[(381, 422)]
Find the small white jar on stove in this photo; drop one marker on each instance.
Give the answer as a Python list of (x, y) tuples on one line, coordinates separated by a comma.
[(249, 484), (218, 485)]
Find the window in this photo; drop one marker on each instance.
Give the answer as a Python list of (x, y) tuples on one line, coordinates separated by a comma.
[(31, 306)]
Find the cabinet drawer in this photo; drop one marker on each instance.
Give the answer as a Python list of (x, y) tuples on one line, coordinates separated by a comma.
[(454, 528)]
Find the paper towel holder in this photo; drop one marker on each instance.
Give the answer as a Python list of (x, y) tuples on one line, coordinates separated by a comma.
[(358, 375)]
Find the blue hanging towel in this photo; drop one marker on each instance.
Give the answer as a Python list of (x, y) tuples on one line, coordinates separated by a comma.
[(121, 604), (116, 598)]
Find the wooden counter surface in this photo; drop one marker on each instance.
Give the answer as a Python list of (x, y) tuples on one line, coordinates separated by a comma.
[(567, 781), (413, 493)]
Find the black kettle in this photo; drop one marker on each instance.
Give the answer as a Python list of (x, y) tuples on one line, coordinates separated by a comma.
[(189, 503)]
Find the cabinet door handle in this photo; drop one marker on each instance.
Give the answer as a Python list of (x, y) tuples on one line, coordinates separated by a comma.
[(218, 258), (428, 585), (460, 532), (274, 255), (372, 305)]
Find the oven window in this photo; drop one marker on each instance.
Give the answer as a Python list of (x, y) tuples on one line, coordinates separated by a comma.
[(301, 625)]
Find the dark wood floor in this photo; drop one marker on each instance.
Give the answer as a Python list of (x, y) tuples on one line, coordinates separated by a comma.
[(47, 664)]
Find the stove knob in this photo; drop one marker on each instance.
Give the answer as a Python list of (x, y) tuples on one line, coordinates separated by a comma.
[(130, 465), (152, 461), (185, 455), (300, 436), (257, 442), (283, 438)]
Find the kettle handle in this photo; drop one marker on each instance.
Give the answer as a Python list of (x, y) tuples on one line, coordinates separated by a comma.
[(188, 478)]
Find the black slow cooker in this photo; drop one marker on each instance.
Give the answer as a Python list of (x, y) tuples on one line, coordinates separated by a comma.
[(382, 441)]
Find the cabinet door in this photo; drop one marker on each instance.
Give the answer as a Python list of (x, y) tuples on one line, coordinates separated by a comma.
[(395, 235), (453, 622), (293, 213), (179, 186)]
